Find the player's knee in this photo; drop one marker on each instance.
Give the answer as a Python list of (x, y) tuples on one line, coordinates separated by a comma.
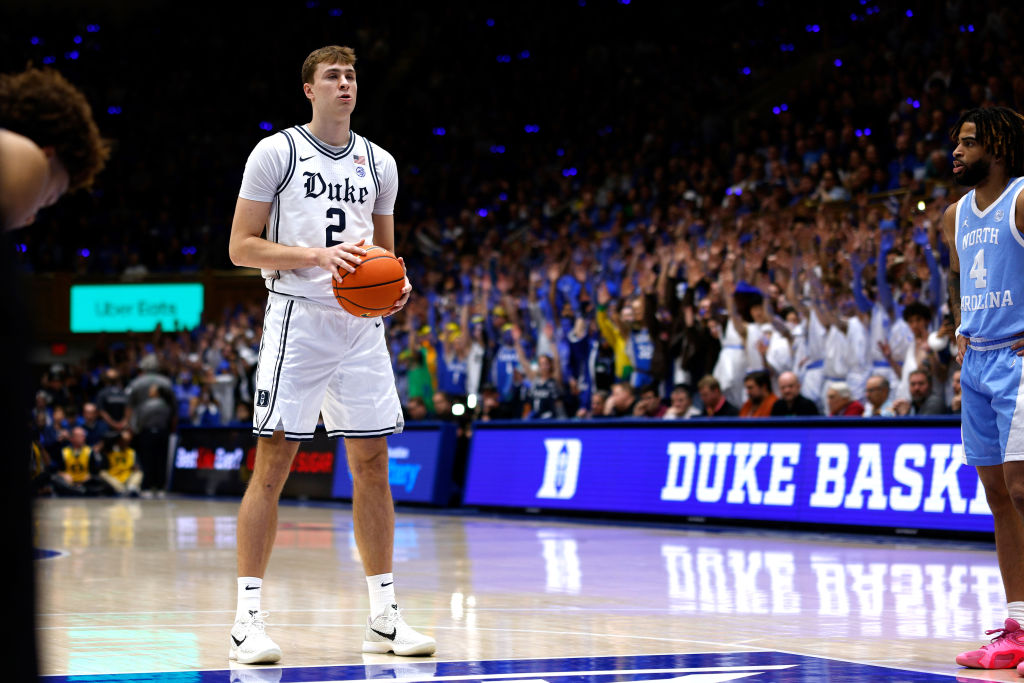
[(998, 498), (1015, 496), (371, 466), (267, 482)]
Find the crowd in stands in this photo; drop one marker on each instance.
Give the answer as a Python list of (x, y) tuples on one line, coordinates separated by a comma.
[(758, 237)]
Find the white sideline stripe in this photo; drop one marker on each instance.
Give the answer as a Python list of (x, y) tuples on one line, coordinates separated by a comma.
[(610, 672)]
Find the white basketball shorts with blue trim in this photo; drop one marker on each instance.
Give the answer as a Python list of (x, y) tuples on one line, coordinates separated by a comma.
[(317, 359), (992, 404)]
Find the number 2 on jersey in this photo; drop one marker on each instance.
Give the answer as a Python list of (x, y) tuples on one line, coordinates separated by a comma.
[(978, 271), (335, 228)]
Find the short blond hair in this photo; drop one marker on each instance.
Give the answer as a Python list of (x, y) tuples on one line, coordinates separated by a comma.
[(331, 54)]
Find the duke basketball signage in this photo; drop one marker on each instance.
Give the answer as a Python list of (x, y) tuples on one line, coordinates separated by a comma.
[(879, 473)]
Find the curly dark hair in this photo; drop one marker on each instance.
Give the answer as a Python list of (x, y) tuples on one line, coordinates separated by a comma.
[(1000, 130), (46, 108)]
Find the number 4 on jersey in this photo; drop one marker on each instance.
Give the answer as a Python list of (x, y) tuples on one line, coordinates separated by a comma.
[(978, 271)]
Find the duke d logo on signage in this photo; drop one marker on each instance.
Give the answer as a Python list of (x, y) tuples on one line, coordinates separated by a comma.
[(561, 468)]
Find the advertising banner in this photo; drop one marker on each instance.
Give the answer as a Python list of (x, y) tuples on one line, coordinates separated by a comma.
[(136, 307), (219, 461), (881, 473), (419, 467)]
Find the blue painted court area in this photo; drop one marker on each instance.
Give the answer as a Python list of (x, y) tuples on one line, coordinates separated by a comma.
[(759, 667)]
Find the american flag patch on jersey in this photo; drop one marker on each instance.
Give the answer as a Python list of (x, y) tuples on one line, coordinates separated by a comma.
[(358, 159)]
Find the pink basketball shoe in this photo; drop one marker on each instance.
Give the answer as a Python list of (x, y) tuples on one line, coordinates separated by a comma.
[(1004, 652)]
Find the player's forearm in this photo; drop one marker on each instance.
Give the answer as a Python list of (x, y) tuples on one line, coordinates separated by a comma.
[(256, 252), (954, 297)]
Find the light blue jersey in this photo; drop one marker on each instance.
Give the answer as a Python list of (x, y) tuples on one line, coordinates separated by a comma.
[(991, 251)]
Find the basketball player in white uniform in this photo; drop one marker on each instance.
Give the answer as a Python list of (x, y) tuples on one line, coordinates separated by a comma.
[(312, 197)]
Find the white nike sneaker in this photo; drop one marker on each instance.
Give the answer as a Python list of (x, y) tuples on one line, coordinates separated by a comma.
[(390, 633), (249, 642)]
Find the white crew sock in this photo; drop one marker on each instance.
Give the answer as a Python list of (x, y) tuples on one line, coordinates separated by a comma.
[(1016, 611), (382, 593), (249, 589)]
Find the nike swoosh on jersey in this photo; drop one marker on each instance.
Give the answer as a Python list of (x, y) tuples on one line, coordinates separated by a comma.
[(307, 158)]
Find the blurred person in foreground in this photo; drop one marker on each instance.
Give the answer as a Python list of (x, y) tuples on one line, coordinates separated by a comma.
[(49, 146)]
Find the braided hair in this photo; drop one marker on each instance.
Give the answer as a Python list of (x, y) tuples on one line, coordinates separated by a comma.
[(1000, 130)]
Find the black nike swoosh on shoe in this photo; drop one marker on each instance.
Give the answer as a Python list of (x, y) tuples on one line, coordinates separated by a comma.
[(239, 642), (389, 636), (386, 584), (307, 158)]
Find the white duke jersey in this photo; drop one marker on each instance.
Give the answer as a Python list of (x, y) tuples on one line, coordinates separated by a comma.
[(320, 195), (991, 268)]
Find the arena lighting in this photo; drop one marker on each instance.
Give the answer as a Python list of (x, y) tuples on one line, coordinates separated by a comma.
[(458, 410), (921, 206), (471, 401)]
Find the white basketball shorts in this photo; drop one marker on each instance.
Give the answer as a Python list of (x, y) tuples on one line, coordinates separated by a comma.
[(317, 360)]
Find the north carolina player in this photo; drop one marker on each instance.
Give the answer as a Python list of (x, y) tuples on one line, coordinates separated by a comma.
[(321, 192), (986, 299)]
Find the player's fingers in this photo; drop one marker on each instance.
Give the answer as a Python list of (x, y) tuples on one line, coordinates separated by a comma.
[(350, 258), (351, 248)]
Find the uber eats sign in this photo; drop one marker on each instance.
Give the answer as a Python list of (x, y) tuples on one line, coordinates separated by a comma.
[(135, 308)]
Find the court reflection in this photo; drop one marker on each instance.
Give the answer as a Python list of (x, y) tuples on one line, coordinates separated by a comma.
[(856, 587)]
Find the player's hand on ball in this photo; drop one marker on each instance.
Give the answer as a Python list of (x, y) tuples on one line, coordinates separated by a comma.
[(343, 256), (406, 292)]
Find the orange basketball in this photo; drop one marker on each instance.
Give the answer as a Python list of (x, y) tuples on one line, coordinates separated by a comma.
[(375, 285)]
